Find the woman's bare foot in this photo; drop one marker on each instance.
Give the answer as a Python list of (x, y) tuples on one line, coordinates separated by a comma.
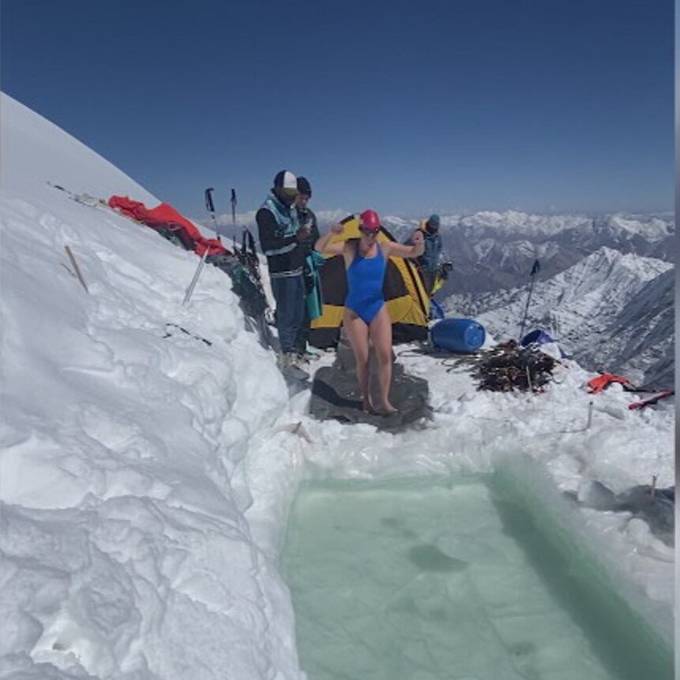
[(367, 406), (387, 409)]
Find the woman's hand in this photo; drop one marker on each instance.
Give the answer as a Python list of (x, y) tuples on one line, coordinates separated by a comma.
[(397, 249), (418, 243), (324, 245)]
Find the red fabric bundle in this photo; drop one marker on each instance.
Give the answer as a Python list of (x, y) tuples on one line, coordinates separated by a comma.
[(602, 382), (164, 216)]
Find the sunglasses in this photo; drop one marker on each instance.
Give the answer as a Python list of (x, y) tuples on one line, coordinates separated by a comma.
[(368, 232)]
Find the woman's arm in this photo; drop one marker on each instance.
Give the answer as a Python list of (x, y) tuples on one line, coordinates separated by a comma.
[(324, 246), (416, 250)]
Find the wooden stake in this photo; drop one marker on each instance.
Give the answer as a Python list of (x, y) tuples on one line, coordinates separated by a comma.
[(76, 268)]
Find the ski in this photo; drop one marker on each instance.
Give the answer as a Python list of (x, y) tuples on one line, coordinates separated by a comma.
[(650, 401), (83, 199)]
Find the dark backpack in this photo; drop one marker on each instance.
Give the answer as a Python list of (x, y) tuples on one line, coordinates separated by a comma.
[(245, 283)]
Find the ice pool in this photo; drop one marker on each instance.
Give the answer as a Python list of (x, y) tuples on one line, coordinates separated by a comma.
[(461, 579)]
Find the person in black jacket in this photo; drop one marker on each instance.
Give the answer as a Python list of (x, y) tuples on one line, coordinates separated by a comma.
[(309, 226), (280, 239)]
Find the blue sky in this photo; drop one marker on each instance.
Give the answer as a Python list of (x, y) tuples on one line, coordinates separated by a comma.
[(406, 107)]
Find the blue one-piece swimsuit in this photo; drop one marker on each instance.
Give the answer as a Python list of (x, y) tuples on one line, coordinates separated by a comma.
[(365, 278)]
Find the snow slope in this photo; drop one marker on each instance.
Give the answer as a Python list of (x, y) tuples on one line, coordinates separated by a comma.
[(146, 476), (641, 337), (124, 551), (35, 151)]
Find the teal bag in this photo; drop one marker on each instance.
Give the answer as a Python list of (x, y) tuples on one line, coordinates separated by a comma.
[(314, 299)]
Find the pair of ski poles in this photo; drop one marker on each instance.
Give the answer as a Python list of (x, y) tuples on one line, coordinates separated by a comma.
[(210, 207)]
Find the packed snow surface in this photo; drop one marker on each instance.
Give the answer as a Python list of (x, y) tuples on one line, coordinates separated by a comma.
[(146, 476)]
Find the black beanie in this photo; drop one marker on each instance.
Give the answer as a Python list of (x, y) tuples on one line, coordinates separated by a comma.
[(304, 187)]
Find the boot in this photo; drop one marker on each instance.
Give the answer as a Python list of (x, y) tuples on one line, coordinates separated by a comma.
[(289, 366), (293, 360)]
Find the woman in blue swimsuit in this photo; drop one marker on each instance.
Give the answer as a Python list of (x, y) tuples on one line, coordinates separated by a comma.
[(365, 316)]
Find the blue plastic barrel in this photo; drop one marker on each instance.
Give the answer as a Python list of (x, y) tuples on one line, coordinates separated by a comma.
[(458, 335)]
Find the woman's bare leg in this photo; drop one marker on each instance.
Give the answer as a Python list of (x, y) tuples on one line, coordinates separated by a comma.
[(357, 334), (381, 335)]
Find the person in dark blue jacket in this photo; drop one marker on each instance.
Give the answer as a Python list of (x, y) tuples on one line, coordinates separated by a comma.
[(428, 262)]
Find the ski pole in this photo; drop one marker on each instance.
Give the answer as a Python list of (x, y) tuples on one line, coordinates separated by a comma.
[(534, 270), (210, 207), (194, 281), (233, 213)]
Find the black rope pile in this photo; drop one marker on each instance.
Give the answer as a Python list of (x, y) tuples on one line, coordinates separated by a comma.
[(509, 366)]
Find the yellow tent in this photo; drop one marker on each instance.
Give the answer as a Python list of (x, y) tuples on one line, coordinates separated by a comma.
[(406, 299)]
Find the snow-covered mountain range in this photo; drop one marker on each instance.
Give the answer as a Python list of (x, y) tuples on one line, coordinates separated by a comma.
[(610, 311), (642, 335), (492, 251), (649, 235), (495, 250)]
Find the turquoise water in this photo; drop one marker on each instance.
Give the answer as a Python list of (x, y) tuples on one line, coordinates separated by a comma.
[(424, 579)]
